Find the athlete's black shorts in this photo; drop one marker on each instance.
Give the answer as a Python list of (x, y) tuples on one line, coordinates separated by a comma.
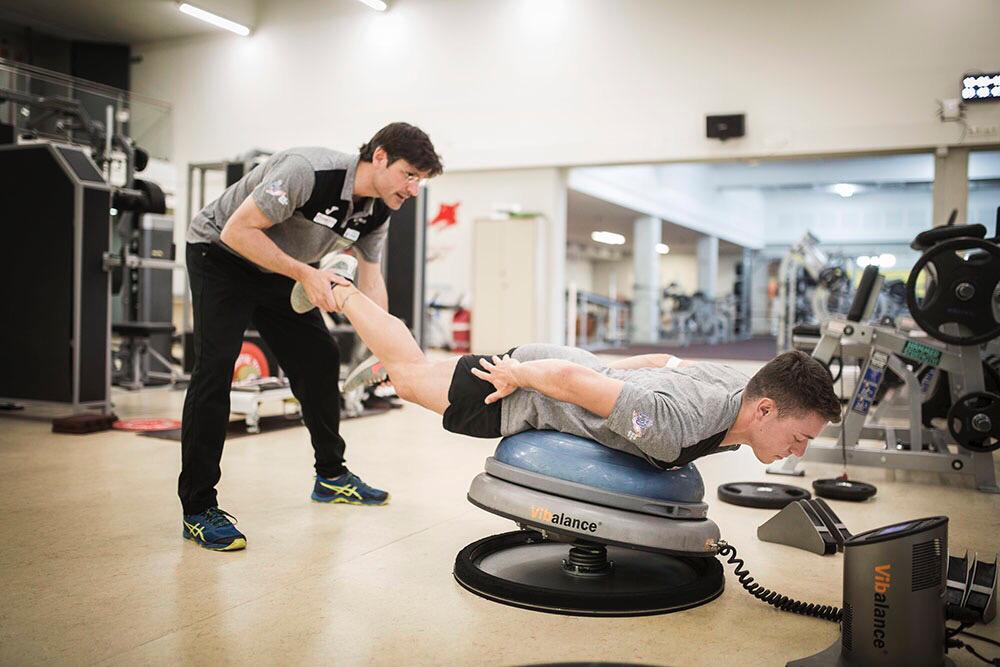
[(467, 413)]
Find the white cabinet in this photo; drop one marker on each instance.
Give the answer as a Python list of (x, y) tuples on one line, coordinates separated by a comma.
[(507, 284)]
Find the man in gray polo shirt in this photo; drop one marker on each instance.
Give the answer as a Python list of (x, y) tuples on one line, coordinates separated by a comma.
[(245, 251)]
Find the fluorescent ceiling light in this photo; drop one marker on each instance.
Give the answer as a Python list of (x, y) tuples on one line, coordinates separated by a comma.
[(609, 238), (662, 248), (885, 260), (845, 189), (375, 4), (214, 19)]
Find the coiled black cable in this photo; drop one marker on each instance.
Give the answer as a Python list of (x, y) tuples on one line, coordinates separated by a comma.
[(782, 602)]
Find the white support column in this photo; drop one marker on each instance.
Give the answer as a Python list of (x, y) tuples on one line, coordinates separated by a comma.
[(646, 294), (554, 319), (708, 265), (951, 185)]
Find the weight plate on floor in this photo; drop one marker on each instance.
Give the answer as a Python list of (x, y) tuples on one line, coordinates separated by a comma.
[(843, 489), (146, 425), (761, 495)]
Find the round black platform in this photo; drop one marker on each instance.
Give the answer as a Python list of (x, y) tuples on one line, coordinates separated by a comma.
[(523, 569)]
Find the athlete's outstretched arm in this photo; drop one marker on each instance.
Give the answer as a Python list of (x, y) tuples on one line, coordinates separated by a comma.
[(556, 378)]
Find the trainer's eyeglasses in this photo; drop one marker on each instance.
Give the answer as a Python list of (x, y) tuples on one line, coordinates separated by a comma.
[(413, 177)]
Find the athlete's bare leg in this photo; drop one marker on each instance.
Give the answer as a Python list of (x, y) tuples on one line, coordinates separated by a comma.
[(415, 378)]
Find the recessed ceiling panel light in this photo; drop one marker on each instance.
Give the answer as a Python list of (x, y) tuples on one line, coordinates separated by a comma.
[(845, 189), (609, 238)]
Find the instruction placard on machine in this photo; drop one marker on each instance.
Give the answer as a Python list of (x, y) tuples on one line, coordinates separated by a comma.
[(922, 353), (864, 396)]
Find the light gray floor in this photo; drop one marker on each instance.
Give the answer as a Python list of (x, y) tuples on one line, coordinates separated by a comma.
[(93, 569)]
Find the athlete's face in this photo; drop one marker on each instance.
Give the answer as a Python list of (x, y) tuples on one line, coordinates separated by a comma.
[(775, 436)]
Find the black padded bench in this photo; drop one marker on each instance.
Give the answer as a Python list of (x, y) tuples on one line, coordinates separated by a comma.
[(136, 336)]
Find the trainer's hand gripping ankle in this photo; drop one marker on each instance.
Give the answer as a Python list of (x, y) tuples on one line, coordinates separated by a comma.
[(316, 288)]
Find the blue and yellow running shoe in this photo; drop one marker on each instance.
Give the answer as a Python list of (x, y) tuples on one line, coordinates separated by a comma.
[(348, 488), (212, 529)]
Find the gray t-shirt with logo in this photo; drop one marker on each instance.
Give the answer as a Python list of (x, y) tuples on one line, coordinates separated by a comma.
[(659, 412), (308, 193)]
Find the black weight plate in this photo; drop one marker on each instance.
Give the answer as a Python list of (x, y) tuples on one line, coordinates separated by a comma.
[(843, 489), (140, 159), (153, 200), (762, 495), (965, 260), (979, 404), (937, 403)]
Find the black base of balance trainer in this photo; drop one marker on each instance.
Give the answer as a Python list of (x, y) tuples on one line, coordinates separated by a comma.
[(524, 569)]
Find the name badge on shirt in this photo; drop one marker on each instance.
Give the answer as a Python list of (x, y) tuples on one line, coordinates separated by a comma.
[(325, 220), (351, 234)]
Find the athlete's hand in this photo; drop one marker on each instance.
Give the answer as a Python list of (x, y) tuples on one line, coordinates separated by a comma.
[(502, 374)]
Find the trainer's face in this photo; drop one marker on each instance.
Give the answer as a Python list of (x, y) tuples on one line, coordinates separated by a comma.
[(776, 437), (395, 182)]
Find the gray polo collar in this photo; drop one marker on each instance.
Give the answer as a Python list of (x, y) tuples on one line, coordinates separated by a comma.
[(348, 192)]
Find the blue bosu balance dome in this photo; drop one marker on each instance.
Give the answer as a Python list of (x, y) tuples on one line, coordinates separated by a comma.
[(582, 461)]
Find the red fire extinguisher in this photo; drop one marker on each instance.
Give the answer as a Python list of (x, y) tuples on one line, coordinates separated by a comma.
[(461, 325)]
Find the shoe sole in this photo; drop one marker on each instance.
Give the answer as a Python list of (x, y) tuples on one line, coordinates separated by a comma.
[(363, 376), (301, 303), (236, 545), (344, 501)]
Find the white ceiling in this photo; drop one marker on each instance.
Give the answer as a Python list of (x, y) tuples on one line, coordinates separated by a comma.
[(885, 171), (586, 214), (916, 171), (121, 21)]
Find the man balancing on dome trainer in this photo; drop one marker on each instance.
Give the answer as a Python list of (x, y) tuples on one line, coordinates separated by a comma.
[(655, 406)]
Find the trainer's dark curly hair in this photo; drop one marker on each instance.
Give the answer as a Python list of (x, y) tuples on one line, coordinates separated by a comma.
[(797, 384), (403, 141)]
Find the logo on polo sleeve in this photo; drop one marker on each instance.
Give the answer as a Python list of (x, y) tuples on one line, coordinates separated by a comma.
[(276, 189), (640, 424)]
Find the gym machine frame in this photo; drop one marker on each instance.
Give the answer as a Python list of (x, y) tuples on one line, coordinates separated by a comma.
[(805, 254), (902, 448)]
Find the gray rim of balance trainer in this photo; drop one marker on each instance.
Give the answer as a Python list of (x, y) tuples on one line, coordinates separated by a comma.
[(579, 520)]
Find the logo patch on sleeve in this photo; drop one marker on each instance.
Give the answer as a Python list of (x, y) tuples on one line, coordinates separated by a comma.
[(275, 189), (640, 424)]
